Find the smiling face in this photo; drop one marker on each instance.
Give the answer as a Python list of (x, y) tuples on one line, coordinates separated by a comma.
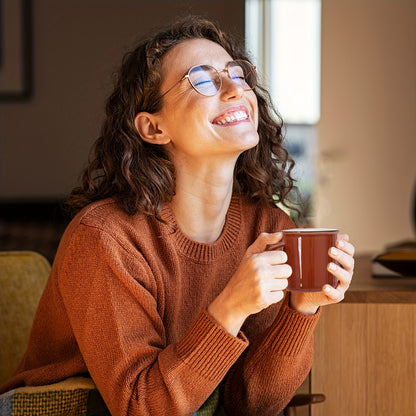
[(197, 127)]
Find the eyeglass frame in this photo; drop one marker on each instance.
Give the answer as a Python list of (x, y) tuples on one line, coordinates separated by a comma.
[(186, 76)]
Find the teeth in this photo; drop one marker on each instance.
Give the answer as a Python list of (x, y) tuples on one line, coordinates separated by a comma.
[(237, 116)]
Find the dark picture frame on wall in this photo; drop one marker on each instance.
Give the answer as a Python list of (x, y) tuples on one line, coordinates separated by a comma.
[(16, 78)]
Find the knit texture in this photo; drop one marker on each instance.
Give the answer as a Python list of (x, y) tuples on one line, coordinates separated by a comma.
[(75, 396), (127, 302)]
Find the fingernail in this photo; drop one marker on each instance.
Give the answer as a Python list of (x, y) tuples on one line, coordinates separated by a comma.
[(341, 243), (334, 251), (332, 266)]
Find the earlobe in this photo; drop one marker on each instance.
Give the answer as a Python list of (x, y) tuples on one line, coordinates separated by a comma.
[(148, 127)]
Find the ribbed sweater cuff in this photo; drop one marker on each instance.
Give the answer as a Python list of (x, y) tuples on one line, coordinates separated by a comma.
[(209, 349), (291, 330)]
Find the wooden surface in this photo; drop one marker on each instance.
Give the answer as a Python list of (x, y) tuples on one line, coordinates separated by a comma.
[(368, 289), (365, 349)]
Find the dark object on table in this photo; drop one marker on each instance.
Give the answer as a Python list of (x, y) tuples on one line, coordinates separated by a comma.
[(399, 260)]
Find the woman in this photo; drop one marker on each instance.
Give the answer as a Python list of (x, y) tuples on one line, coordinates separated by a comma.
[(163, 289)]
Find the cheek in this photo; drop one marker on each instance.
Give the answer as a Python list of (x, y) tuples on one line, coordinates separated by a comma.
[(256, 120), (255, 109)]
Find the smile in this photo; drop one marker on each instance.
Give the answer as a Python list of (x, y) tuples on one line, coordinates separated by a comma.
[(231, 117)]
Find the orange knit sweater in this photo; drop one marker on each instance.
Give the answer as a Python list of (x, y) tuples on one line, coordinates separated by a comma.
[(126, 302)]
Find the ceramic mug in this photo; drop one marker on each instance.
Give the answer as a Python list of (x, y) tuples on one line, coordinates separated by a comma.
[(307, 253)]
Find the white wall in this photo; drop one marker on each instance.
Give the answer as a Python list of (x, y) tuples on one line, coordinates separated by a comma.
[(367, 132), (77, 43)]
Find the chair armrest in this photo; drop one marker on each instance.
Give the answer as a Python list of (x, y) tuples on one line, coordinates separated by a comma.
[(73, 396), (306, 399)]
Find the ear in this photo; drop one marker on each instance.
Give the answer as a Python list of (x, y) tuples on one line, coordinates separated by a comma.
[(148, 126)]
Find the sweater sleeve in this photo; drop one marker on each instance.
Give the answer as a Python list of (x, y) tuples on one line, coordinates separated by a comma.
[(112, 305), (267, 375)]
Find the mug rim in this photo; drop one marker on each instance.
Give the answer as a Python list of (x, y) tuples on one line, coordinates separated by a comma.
[(310, 230)]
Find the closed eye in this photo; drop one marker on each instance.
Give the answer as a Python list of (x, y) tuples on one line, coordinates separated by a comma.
[(200, 83), (238, 77)]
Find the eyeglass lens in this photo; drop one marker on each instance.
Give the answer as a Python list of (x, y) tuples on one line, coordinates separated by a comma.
[(207, 80)]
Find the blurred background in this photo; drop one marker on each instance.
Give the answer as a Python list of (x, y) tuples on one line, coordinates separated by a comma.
[(356, 146)]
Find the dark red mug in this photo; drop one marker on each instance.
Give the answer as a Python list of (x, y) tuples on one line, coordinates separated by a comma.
[(307, 254)]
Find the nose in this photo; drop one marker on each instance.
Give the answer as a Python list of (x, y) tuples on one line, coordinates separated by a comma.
[(230, 89)]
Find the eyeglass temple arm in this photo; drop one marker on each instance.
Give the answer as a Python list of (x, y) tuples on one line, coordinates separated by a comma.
[(173, 86)]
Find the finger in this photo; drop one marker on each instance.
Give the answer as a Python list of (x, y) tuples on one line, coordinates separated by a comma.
[(344, 237), (344, 276), (267, 296), (274, 257), (346, 260), (333, 294), (345, 246), (276, 284), (282, 271), (262, 241), (275, 296)]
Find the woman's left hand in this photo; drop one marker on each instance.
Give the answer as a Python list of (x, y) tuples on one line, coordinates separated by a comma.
[(309, 302)]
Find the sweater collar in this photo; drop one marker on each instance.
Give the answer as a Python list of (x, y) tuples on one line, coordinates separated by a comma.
[(204, 252)]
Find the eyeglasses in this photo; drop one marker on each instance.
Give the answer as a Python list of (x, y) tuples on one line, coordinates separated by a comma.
[(207, 81)]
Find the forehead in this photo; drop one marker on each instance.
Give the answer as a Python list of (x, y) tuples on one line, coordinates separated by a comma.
[(193, 52)]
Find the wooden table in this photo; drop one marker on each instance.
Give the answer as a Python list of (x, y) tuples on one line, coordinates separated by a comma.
[(365, 349), (368, 289)]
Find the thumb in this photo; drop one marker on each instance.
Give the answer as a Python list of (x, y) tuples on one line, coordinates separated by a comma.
[(265, 241)]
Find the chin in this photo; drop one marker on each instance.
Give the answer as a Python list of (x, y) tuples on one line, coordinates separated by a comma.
[(249, 140)]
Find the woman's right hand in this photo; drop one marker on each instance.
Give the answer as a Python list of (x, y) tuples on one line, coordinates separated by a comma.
[(258, 283)]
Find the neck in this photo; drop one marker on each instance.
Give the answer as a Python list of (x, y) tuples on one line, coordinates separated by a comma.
[(202, 200)]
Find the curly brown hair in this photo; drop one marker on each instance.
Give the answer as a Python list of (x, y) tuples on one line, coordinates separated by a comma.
[(140, 175)]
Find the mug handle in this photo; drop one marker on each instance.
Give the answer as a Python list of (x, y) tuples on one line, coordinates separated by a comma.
[(277, 246)]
